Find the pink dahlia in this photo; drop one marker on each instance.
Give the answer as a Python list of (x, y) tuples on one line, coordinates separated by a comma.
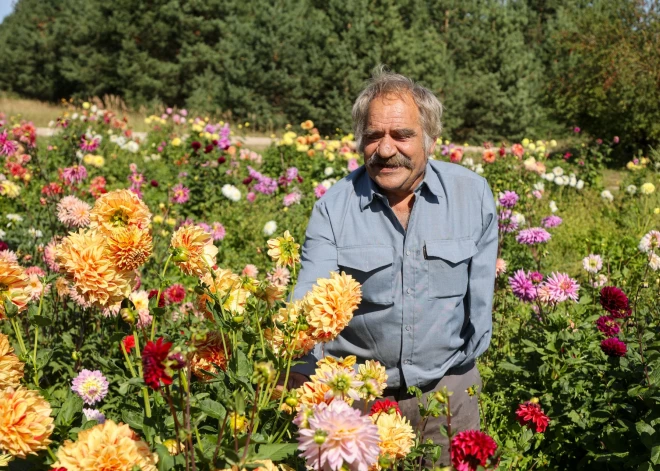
[(518, 150), (505, 222), (508, 199), (250, 270), (608, 326), (500, 267), (522, 286), (73, 175), (592, 263), (49, 255), (217, 231), (352, 165), (279, 276), (292, 198), (613, 347), (531, 415), (338, 436), (7, 146), (91, 386), (180, 194), (650, 241), (561, 287), (470, 449), (73, 212), (319, 190), (532, 236), (175, 293), (88, 145), (551, 221)]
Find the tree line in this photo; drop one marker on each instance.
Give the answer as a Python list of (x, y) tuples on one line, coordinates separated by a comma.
[(504, 69)]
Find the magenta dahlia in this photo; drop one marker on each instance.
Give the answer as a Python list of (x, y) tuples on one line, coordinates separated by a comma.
[(613, 347), (470, 449), (608, 326), (615, 301)]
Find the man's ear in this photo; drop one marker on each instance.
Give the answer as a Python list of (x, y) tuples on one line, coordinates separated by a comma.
[(431, 149)]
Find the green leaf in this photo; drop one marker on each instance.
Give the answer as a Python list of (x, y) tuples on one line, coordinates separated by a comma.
[(41, 321), (213, 409), (165, 460), (69, 410), (645, 432), (655, 454), (276, 451), (505, 365), (134, 419), (123, 387)]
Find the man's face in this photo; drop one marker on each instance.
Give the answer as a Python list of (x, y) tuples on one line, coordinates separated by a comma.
[(394, 144)]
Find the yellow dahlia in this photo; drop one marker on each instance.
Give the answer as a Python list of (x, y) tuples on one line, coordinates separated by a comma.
[(13, 286), (119, 208), (284, 250), (329, 306), (96, 278), (396, 435), (129, 247), (226, 285), (106, 447), (374, 377), (194, 250), (281, 341), (209, 355), (11, 368), (25, 422), (270, 292)]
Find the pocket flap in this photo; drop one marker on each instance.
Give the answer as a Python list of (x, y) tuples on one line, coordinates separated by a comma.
[(365, 257), (454, 251)]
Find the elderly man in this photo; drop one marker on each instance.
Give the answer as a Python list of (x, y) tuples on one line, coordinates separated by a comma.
[(421, 238)]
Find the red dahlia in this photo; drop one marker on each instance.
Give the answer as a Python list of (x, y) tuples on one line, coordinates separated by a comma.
[(175, 293), (386, 406), (154, 292), (470, 449), (153, 356), (531, 415), (613, 347), (3, 246), (129, 343), (615, 301), (608, 326)]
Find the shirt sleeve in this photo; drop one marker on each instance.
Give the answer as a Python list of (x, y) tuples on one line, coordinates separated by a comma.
[(318, 259), (479, 298)]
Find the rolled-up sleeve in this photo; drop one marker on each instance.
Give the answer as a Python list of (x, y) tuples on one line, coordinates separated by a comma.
[(479, 298), (318, 259)]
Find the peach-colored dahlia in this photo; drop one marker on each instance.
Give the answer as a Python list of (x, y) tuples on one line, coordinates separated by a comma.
[(106, 447), (129, 247), (226, 285), (281, 341), (13, 286), (209, 355), (329, 306), (396, 435), (83, 258), (119, 208), (11, 368), (195, 249), (25, 422)]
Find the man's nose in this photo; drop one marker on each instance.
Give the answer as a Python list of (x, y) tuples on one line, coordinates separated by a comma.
[(386, 148)]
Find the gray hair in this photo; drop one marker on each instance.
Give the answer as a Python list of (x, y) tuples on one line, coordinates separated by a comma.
[(384, 82)]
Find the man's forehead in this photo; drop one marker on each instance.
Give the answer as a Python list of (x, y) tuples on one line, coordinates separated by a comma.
[(398, 109)]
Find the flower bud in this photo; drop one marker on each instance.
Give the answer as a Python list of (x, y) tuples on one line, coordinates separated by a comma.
[(291, 401), (128, 315), (534, 400), (238, 319), (319, 437), (75, 355), (172, 446), (264, 373), (180, 254)]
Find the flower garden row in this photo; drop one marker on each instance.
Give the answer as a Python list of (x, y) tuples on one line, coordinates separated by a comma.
[(146, 311)]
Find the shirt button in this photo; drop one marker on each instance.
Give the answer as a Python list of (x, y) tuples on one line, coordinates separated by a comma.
[(408, 362), (408, 328), (409, 291), (408, 252)]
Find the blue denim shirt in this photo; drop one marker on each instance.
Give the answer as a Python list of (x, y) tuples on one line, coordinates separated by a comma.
[(427, 291)]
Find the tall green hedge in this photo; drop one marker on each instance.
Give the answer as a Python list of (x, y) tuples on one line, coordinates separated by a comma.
[(502, 68)]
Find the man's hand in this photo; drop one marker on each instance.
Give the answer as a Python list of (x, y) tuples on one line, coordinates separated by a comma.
[(295, 381)]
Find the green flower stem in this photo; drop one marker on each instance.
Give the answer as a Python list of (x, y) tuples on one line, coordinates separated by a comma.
[(145, 391), (160, 291), (128, 360), (36, 342), (288, 366), (52, 455), (19, 336)]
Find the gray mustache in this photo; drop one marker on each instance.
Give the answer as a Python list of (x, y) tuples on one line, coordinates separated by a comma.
[(397, 160)]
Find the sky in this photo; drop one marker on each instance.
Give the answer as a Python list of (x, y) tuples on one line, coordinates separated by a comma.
[(6, 7)]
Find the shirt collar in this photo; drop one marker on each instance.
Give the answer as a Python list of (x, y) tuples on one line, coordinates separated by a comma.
[(369, 188)]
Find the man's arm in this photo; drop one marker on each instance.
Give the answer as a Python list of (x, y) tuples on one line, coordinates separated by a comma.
[(319, 258), (482, 280)]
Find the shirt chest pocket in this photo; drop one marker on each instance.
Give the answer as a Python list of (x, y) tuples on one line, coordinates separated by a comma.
[(448, 264), (371, 266)]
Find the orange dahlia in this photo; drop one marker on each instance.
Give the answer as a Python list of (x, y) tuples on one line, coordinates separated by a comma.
[(270, 292), (11, 368), (96, 278), (106, 447), (194, 250), (209, 356), (281, 341), (329, 306), (129, 247), (25, 422), (119, 208), (13, 286), (396, 435)]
